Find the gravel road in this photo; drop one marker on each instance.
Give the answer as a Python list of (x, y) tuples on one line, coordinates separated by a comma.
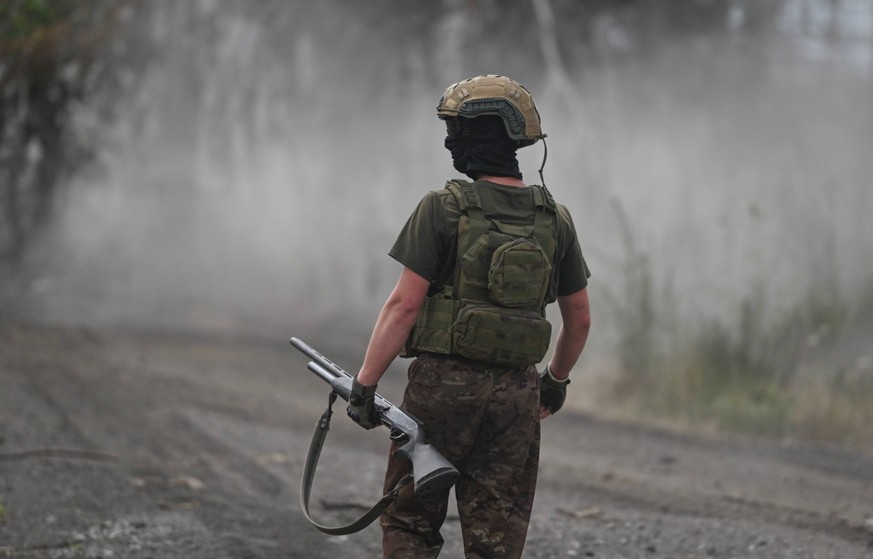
[(139, 444)]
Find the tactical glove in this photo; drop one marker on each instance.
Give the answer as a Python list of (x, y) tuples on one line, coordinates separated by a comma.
[(552, 391), (362, 408)]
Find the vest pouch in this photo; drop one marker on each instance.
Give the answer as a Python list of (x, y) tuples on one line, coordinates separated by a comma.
[(432, 329), (519, 274), (502, 336)]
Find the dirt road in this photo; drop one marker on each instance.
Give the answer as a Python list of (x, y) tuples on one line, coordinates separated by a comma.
[(123, 443)]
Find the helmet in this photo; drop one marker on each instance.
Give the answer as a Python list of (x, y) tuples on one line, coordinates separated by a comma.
[(494, 95)]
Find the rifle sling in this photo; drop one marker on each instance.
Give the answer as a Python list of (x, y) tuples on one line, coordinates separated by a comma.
[(318, 438)]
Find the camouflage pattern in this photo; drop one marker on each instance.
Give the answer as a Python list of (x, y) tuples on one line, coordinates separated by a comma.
[(519, 274), (485, 420), (501, 279), (482, 240), (508, 337)]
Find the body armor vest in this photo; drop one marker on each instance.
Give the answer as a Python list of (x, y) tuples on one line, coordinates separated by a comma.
[(493, 310)]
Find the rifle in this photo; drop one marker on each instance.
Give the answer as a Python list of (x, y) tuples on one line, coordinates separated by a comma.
[(431, 472)]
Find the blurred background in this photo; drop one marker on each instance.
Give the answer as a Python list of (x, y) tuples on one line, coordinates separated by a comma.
[(243, 168)]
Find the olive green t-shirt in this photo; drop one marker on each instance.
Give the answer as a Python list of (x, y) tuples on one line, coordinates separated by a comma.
[(428, 243)]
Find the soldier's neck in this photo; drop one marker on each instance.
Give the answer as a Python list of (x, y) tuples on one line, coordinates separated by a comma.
[(506, 181)]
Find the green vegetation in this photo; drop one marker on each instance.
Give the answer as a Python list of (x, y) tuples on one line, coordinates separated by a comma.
[(759, 376), (839, 408), (50, 53), (635, 308), (26, 19)]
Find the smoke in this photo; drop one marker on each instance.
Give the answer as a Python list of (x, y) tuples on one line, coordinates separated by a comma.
[(239, 187), (255, 178)]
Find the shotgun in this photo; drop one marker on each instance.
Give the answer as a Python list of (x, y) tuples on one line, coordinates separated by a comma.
[(432, 473)]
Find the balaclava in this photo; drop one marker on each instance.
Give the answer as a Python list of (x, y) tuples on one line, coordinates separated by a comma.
[(480, 146)]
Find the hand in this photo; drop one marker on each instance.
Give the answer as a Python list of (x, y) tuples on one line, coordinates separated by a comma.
[(362, 407), (553, 392)]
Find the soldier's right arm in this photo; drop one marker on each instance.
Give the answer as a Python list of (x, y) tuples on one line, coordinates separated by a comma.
[(396, 320)]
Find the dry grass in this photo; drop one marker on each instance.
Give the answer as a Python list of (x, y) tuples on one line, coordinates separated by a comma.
[(766, 376), (837, 409)]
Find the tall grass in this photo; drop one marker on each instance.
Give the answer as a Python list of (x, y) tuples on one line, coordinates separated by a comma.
[(838, 408), (768, 372)]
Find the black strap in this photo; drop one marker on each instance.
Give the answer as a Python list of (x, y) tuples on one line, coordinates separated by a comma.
[(318, 438)]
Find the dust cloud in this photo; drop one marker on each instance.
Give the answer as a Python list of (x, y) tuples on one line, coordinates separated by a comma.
[(264, 158)]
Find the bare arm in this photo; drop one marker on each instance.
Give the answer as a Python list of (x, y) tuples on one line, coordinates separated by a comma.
[(396, 320), (576, 322)]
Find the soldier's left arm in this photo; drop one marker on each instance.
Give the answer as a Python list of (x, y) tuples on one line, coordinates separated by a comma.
[(575, 325)]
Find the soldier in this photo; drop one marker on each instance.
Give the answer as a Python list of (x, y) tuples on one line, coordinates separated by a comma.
[(481, 260)]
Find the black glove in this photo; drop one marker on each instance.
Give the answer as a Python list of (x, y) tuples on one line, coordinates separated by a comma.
[(552, 391), (362, 408)]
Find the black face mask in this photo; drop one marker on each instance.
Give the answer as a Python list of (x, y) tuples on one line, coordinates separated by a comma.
[(480, 146)]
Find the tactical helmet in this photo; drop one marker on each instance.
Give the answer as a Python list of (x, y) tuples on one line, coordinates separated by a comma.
[(494, 95)]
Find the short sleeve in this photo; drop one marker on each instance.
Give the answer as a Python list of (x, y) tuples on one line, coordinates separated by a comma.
[(419, 246), (573, 272)]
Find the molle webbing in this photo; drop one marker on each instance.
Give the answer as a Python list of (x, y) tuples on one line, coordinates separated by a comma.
[(494, 308), (471, 280)]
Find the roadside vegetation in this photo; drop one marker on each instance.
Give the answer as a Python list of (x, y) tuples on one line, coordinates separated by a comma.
[(52, 57), (802, 372)]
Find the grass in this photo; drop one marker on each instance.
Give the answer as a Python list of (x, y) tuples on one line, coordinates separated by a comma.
[(754, 376), (837, 409)]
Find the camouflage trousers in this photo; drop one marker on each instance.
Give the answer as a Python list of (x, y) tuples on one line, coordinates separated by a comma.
[(485, 420)]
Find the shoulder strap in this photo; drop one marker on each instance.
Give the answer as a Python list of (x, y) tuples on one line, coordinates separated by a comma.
[(543, 198), (545, 209), (470, 229), (546, 223), (467, 197), (318, 438)]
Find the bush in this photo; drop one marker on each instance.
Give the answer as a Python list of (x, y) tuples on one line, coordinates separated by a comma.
[(48, 50), (746, 378), (838, 409)]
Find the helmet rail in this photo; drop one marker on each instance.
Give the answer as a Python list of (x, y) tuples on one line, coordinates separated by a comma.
[(498, 95)]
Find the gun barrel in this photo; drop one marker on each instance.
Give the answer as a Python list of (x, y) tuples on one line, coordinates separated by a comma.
[(325, 375), (325, 363), (341, 384)]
